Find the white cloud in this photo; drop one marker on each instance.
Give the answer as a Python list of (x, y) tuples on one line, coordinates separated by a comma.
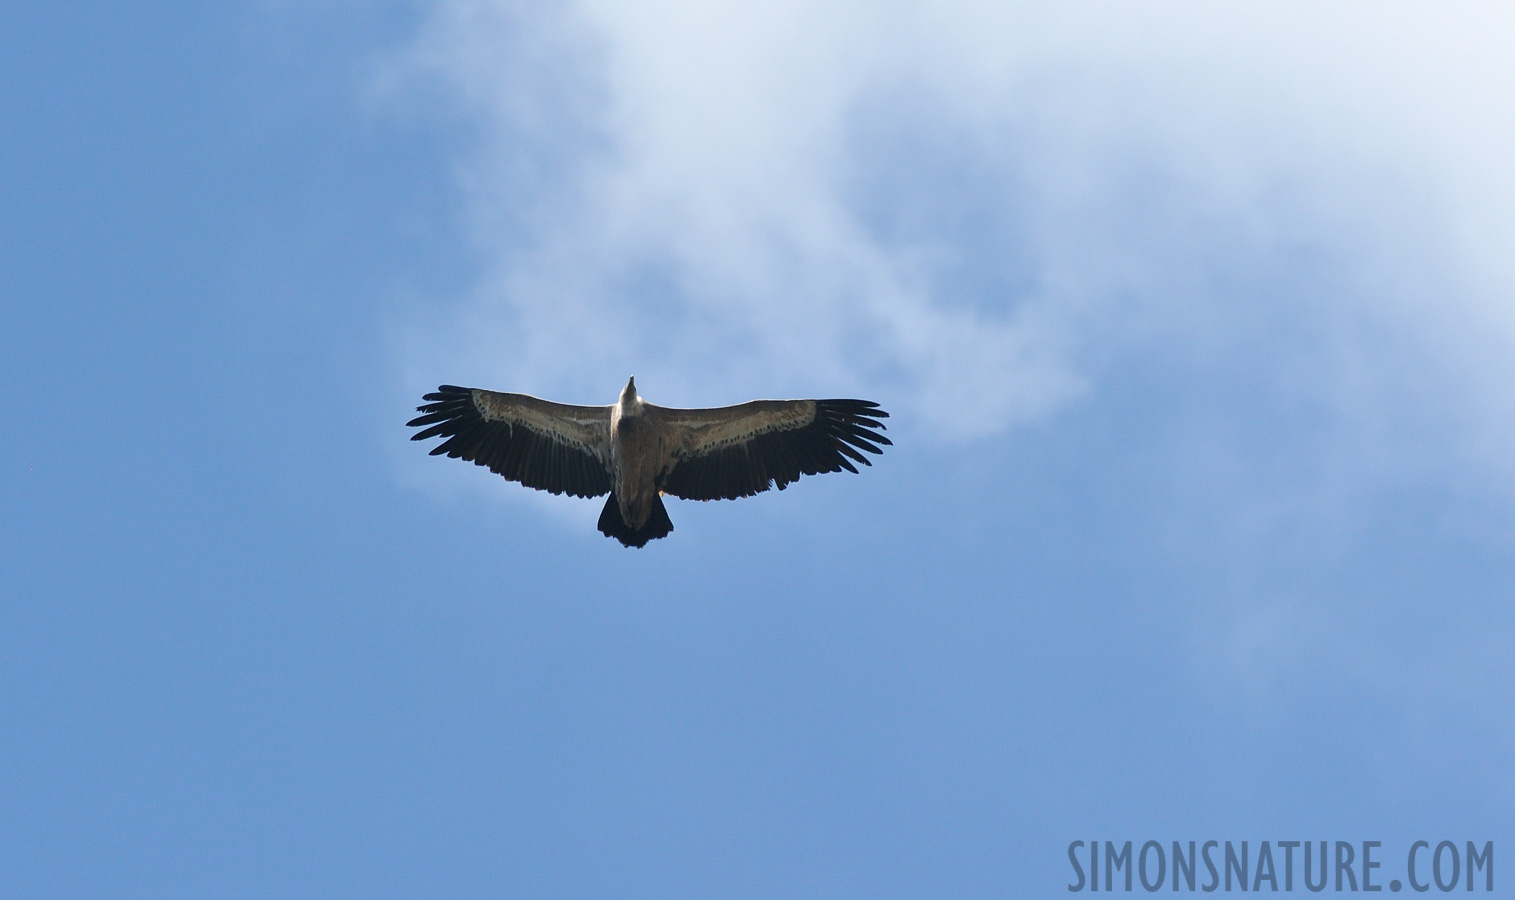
[(969, 209), (980, 213)]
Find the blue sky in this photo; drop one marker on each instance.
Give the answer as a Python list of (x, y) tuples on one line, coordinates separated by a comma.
[(1194, 323)]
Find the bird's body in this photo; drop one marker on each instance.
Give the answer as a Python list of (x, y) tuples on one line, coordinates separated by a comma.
[(637, 452)]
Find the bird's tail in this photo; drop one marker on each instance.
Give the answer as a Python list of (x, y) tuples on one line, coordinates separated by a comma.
[(612, 525)]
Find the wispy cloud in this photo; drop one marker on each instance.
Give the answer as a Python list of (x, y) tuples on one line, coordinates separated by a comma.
[(977, 210), (1283, 228)]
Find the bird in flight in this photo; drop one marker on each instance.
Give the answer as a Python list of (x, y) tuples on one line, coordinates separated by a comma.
[(636, 452)]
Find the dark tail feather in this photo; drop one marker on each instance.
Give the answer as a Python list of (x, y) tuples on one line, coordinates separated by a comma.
[(612, 525)]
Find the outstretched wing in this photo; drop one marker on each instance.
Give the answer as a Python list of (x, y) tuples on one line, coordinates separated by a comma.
[(738, 451), (549, 446)]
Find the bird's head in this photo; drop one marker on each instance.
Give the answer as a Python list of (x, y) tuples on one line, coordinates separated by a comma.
[(629, 398)]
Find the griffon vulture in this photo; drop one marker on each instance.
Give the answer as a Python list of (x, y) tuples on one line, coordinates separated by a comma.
[(636, 452)]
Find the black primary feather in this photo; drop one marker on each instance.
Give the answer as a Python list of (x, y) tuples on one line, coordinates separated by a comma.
[(513, 450), (829, 443)]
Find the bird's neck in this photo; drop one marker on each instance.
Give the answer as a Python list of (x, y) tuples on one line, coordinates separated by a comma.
[(630, 405)]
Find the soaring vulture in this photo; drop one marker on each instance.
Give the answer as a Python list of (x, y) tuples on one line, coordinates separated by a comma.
[(636, 452)]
